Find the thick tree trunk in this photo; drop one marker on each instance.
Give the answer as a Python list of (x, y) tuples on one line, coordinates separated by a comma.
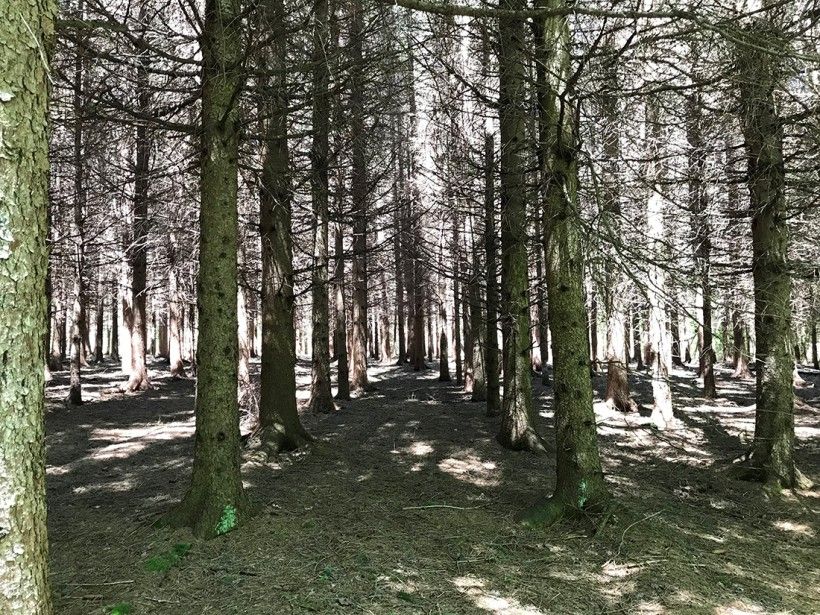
[(321, 397), (216, 502), (26, 29), (517, 430), (580, 482), (772, 459)]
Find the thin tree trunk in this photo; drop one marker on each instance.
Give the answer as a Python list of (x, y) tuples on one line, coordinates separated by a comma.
[(490, 242), (342, 368), (321, 399), (659, 338)]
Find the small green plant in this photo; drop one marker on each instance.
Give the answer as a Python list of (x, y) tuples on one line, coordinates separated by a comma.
[(328, 573), (165, 561), (121, 608), (228, 521)]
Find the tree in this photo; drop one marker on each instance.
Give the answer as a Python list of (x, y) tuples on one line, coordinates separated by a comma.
[(321, 398), (580, 482), (517, 430), (278, 415), (359, 194), (137, 252), (24, 91), (759, 74), (216, 502)]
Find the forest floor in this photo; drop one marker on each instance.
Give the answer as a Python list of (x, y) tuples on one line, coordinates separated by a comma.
[(408, 505)]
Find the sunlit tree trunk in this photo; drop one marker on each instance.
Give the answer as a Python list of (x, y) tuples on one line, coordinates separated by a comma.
[(490, 243), (656, 231), (26, 30)]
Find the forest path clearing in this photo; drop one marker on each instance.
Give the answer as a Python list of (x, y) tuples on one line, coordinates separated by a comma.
[(407, 505)]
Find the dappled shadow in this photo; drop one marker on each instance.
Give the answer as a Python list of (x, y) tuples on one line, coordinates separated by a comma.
[(407, 505)]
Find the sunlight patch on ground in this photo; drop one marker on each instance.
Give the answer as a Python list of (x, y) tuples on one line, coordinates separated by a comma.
[(417, 449), (492, 601), (801, 529), (472, 469), (739, 607)]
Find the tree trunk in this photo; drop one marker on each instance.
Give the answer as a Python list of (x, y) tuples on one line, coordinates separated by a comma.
[(659, 338), (580, 482), (358, 192), (78, 324), (138, 251), (321, 398), (490, 241), (698, 202), (517, 429), (24, 585), (342, 368), (216, 502), (278, 414), (772, 459)]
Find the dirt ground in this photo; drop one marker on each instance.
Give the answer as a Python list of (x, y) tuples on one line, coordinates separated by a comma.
[(408, 505)]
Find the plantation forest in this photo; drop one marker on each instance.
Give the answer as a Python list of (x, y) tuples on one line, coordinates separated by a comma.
[(406, 307)]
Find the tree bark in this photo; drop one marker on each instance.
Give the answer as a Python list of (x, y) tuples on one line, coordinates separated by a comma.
[(138, 251), (321, 399), (490, 242), (759, 74), (216, 502), (24, 93), (517, 430), (358, 192), (281, 428), (580, 485)]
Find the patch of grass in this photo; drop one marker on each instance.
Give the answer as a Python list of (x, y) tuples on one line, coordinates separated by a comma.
[(165, 561), (121, 608)]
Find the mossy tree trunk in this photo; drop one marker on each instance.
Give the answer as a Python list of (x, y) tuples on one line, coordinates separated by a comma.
[(759, 75), (517, 429), (580, 482), (215, 502), (278, 414), (26, 29)]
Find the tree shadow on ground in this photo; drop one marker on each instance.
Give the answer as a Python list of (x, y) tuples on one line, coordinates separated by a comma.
[(408, 505)]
